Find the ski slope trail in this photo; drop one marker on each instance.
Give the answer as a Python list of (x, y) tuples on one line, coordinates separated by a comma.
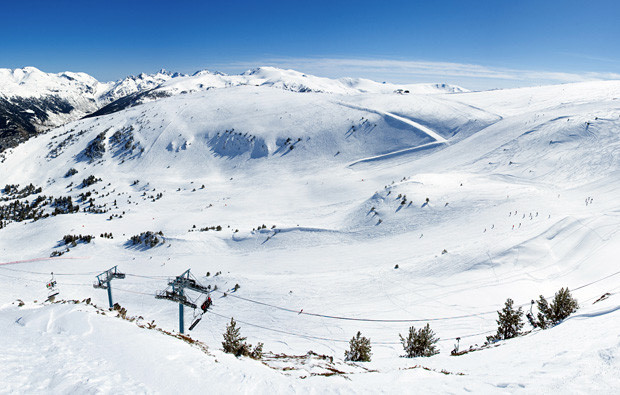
[(439, 140), (415, 125), (397, 153)]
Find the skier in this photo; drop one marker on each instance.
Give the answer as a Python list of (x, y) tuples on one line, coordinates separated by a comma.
[(204, 307), (206, 304), (52, 290)]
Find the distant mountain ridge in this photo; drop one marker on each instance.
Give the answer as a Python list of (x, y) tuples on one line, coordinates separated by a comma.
[(32, 101)]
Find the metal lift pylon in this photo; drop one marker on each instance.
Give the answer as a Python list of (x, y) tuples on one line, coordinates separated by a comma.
[(179, 284), (104, 279)]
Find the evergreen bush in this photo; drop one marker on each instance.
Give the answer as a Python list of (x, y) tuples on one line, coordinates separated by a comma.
[(359, 349), (419, 342), (561, 307), (509, 322), (235, 344)]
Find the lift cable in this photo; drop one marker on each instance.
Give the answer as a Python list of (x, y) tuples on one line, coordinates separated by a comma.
[(326, 338)]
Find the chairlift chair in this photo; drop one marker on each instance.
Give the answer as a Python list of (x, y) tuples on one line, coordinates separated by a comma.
[(52, 288), (204, 307)]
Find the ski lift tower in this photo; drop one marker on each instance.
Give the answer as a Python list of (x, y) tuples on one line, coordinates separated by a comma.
[(104, 279), (179, 284)]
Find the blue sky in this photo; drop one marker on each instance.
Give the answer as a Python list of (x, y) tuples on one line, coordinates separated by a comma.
[(477, 44)]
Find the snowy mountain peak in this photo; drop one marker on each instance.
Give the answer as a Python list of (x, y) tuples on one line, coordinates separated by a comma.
[(134, 84), (45, 100), (32, 100), (32, 82), (296, 81)]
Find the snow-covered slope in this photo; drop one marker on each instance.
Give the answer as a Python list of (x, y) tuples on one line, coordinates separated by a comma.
[(334, 213), (289, 80), (76, 88), (134, 84), (31, 100), (32, 82), (74, 348), (297, 82)]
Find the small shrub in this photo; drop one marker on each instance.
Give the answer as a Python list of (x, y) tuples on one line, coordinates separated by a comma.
[(70, 172), (419, 342), (359, 349), (257, 352), (88, 181)]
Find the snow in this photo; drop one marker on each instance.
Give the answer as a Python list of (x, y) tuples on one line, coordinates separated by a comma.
[(129, 85), (485, 161), (32, 82), (298, 82), (85, 95)]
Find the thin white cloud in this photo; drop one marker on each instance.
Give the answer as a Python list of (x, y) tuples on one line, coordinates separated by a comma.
[(403, 71), (597, 59)]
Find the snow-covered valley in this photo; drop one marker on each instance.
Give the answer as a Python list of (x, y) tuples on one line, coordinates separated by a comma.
[(336, 206)]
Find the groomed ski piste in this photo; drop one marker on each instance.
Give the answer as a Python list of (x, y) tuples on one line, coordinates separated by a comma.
[(321, 199)]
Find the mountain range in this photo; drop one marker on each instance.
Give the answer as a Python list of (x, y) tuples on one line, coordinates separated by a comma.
[(310, 210), (32, 101)]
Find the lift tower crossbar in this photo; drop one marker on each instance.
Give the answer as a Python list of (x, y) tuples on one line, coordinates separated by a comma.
[(179, 284), (104, 279)]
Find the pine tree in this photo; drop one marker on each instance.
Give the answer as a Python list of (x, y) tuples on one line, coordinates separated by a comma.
[(359, 349), (509, 322), (563, 305), (420, 342), (233, 342), (544, 313)]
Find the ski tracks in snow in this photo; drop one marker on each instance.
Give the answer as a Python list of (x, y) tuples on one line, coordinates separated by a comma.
[(413, 124), (431, 133), (428, 131)]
